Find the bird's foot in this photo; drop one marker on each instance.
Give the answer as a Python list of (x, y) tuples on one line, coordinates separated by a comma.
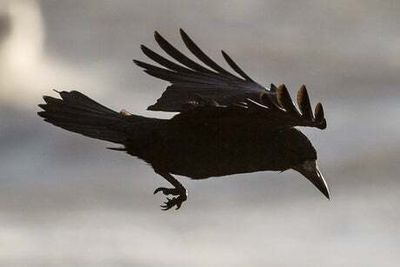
[(175, 201)]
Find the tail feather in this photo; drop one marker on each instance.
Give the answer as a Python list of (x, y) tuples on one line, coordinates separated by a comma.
[(78, 113)]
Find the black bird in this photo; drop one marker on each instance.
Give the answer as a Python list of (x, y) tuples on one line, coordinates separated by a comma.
[(227, 123)]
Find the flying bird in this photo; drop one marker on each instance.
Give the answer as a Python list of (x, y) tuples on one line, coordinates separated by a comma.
[(227, 123)]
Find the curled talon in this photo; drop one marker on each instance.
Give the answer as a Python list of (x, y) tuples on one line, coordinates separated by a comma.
[(171, 202), (167, 191), (158, 190)]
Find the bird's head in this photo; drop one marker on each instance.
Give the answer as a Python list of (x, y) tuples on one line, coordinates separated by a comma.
[(302, 157)]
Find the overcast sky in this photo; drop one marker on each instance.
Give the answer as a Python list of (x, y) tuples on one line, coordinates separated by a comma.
[(65, 200)]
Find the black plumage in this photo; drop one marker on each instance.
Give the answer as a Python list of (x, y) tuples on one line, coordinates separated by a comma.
[(227, 123)]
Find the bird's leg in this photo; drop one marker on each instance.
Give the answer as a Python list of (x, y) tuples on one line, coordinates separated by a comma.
[(179, 191)]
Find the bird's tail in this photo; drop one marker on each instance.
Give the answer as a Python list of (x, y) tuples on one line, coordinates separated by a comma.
[(78, 113)]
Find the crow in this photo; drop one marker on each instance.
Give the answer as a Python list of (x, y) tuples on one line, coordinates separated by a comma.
[(227, 123)]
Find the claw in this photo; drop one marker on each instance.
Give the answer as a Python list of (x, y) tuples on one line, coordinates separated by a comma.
[(158, 190), (171, 202), (167, 191)]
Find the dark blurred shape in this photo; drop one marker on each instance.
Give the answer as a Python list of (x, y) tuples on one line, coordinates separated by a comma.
[(5, 26), (227, 125)]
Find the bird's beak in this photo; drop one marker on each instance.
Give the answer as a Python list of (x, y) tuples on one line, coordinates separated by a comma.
[(310, 170)]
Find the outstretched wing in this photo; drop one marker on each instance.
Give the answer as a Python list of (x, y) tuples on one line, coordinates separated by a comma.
[(192, 83), (211, 93)]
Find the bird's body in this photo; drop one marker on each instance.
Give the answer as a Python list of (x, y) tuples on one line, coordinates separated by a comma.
[(208, 148), (226, 124)]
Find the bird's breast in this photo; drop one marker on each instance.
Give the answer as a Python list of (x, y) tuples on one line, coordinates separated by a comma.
[(208, 151)]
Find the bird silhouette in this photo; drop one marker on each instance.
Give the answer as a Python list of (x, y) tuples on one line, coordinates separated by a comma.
[(227, 123)]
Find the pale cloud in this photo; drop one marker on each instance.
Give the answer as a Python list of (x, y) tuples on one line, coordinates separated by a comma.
[(26, 71)]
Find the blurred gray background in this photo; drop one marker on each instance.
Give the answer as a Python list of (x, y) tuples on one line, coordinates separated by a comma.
[(67, 201)]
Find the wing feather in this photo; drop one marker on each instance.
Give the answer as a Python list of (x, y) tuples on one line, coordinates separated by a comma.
[(235, 66), (190, 79), (202, 56), (174, 53)]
